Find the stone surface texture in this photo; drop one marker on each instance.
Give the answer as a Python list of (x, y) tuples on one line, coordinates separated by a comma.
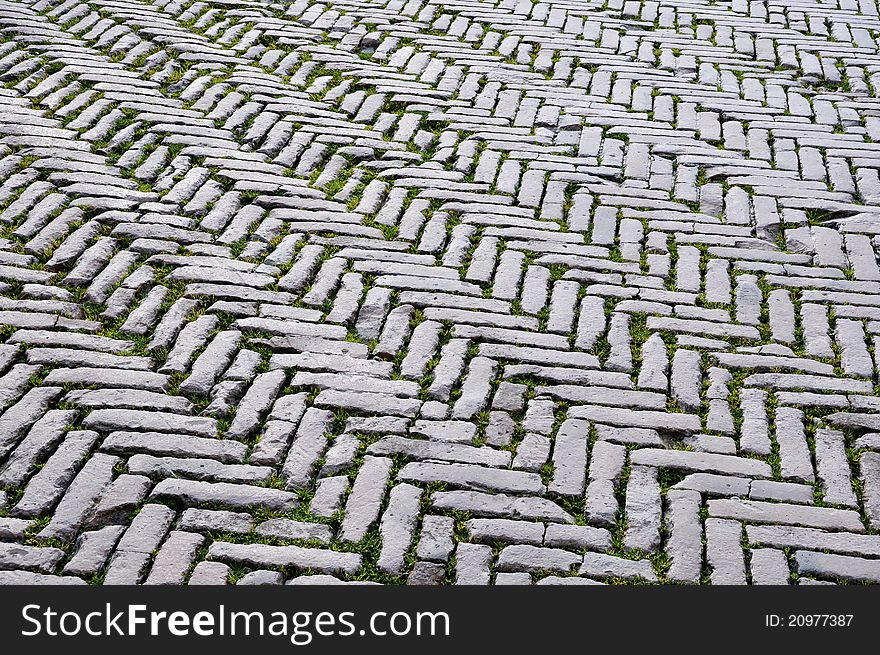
[(439, 292)]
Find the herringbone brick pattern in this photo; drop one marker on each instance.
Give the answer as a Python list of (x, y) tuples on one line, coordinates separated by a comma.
[(439, 291)]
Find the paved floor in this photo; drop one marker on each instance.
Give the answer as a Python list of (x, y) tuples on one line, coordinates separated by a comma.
[(439, 291)]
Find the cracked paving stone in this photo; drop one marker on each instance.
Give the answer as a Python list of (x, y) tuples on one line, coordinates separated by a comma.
[(606, 466)]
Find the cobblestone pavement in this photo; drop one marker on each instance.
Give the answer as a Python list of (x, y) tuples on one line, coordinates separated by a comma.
[(439, 291)]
